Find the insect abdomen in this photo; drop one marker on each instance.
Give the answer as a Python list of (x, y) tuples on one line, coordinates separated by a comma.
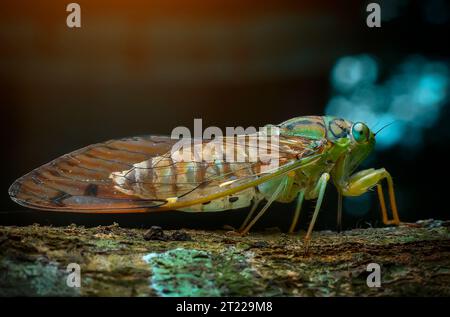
[(239, 200)]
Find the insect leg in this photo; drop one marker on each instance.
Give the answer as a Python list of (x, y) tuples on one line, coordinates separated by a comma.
[(321, 186), (274, 196), (298, 208), (396, 219), (362, 181), (250, 214)]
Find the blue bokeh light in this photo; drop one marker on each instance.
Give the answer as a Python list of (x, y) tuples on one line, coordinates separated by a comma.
[(412, 97), (352, 71)]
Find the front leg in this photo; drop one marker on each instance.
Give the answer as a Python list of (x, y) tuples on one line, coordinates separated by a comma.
[(363, 181)]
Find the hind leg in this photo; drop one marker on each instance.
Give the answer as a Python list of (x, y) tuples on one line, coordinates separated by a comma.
[(250, 214), (272, 198)]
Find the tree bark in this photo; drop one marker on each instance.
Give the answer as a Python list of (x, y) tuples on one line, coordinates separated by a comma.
[(414, 260)]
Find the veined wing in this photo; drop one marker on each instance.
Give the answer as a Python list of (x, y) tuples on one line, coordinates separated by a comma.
[(154, 173)]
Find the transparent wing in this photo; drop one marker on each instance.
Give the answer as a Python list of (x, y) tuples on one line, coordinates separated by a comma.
[(152, 173)]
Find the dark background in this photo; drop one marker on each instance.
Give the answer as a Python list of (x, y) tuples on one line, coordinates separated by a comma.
[(145, 67)]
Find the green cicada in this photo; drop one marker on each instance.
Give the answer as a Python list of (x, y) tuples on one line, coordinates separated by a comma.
[(140, 174)]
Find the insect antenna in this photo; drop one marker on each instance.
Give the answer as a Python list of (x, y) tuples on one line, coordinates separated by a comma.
[(376, 124), (385, 126)]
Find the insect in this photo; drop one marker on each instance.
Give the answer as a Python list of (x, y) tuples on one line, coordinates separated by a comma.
[(139, 174)]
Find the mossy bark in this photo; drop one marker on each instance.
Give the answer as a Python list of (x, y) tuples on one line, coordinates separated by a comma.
[(115, 261)]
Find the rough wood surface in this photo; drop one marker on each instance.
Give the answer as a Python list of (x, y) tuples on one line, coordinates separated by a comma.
[(414, 260)]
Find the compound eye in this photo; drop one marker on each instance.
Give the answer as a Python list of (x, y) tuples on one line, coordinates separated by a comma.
[(360, 132)]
